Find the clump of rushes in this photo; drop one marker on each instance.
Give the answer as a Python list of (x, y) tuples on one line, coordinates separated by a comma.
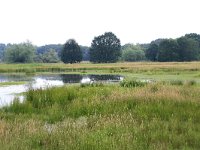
[(176, 82), (180, 82), (191, 82), (132, 83), (94, 84), (40, 98)]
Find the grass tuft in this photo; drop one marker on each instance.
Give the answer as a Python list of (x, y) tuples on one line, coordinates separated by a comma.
[(132, 83)]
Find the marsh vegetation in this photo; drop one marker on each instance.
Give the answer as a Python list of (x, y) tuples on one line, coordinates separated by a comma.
[(162, 112)]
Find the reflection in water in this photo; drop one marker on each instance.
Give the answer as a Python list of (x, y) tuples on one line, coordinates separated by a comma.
[(71, 78), (86, 80), (14, 77), (43, 83), (77, 78), (7, 93), (105, 77)]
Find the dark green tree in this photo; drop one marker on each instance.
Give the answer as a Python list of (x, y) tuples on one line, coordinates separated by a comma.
[(157, 41), (71, 52), (194, 36), (152, 52), (188, 49), (168, 50), (105, 48), (2, 49), (85, 51)]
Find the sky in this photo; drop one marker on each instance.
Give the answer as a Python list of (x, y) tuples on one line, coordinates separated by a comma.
[(132, 21)]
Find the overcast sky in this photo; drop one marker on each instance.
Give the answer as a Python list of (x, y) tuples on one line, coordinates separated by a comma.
[(133, 21)]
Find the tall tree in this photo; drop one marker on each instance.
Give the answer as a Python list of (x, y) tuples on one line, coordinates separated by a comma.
[(152, 52), (194, 36), (2, 49), (85, 51), (105, 48), (188, 49), (168, 50), (20, 53), (71, 52), (157, 41)]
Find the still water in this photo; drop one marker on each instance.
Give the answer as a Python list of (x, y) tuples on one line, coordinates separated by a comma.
[(8, 93)]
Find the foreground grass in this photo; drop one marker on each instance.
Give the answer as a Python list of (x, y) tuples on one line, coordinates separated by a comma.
[(97, 116)]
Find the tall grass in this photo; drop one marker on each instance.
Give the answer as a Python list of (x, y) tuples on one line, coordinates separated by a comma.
[(154, 116)]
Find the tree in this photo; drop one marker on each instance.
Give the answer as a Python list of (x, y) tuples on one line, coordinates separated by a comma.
[(43, 49), (49, 56), (157, 41), (133, 55), (71, 52), (20, 53), (132, 46), (188, 49), (194, 36), (152, 52), (132, 52), (105, 48), (85, 51), (2, 49), (168, 50)]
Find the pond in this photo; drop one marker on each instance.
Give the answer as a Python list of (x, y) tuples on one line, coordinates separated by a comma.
[(9, 92)]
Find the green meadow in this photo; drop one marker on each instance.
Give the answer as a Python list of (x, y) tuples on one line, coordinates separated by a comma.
[(156, 106)]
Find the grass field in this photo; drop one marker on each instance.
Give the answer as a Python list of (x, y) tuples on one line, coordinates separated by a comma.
[(128, 115), (142, 70), (110, 67)]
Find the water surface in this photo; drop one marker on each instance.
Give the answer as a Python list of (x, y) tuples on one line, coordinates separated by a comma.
[(8, 93)]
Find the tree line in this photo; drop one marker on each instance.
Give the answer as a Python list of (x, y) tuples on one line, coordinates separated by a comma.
[(185, 48), (105, 48)]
